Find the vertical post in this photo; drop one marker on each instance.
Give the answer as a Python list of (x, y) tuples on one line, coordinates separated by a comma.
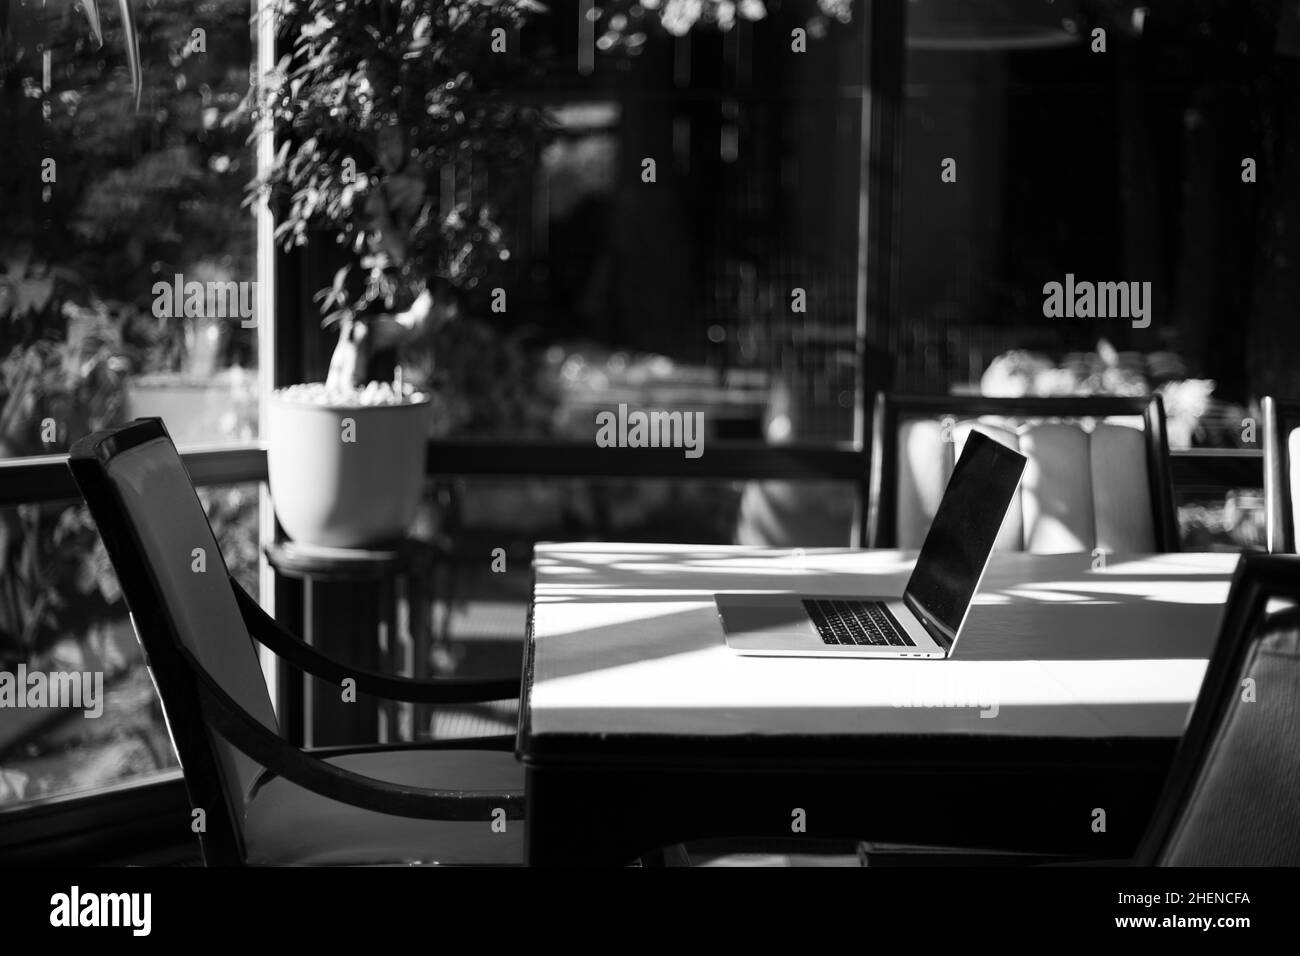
[(884, 50), (264, 43), (280, 360)]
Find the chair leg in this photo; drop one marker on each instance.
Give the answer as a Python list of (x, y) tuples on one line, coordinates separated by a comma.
[(419, 611)]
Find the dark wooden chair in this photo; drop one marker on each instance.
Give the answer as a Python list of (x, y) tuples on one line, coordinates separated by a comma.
[(264, 801), (1107, 487), (1232, 797), (1281, 426)]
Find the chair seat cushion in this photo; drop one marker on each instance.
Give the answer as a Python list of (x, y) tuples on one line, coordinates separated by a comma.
[(287, 825)]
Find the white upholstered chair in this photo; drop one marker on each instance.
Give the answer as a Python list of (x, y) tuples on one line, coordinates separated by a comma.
[(1098, 473), (1097, 479)]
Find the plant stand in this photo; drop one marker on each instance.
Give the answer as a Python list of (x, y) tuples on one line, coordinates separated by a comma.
[(369, 606)]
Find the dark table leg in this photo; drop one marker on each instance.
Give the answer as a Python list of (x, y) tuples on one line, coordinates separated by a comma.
[(576, 819), (345, 605), (291, 689), (420, 588), (346, 620)]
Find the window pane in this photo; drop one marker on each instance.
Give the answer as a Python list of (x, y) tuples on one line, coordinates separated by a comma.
[(126, 261), (63, 622), (686, 239), (1096, 199), (1127, 157)]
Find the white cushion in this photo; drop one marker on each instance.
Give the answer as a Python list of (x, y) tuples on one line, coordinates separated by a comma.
[(1121, 496), (1083, 487), (925, 462), (1057, 487)]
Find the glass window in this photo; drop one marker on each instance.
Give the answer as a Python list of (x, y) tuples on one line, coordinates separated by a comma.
[(684, 237), (64, 625), (1095, 200), (127, 268), (1127, 153), (126, 259)]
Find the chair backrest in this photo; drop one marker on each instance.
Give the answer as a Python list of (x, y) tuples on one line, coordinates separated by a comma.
[(1233, 793), (1091, 481), (1281, 447), (183, 607)]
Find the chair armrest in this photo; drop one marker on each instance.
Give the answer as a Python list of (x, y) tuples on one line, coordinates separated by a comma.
[(268, 632), (498, 742), (278, 756)]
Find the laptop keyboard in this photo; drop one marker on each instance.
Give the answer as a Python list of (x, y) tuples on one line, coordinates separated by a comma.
[(855, 622)]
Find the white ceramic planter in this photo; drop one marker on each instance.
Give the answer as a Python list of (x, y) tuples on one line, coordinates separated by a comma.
[(332, 492)]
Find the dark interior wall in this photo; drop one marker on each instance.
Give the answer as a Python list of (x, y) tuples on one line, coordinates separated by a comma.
[(758, 154), (955, 108), (1121, 166), (652, 246), (1037, 196), (1272, 334), (1195, 97)]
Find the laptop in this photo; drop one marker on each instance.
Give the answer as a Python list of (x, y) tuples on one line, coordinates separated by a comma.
[(927, 619)]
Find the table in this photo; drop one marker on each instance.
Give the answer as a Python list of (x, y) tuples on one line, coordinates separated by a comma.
[(640, 728)]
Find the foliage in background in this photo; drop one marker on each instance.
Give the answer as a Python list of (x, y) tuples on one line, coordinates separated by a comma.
[(138, 195), (1108, 372), (66, 364), (624, 25), (380, 103), (484, 382), (405, 138), (63, 366)]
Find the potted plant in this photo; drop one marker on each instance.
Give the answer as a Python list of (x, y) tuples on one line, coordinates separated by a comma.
[(377, 103), (382, 105)]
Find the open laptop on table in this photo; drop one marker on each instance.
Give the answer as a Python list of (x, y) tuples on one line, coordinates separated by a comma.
[(927, 619)]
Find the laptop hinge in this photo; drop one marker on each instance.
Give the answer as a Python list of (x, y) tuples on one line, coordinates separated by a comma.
[(932, 627)]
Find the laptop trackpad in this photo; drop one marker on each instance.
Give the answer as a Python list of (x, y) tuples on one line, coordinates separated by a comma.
[(764, 614)]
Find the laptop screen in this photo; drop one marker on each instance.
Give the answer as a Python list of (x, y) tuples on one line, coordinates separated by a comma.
[(962, 535)]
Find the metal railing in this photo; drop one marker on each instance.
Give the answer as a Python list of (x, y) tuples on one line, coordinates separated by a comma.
[(46, 478)]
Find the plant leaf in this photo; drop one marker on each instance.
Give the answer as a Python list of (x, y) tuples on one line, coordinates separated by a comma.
[(92, 14), (132, 41)]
